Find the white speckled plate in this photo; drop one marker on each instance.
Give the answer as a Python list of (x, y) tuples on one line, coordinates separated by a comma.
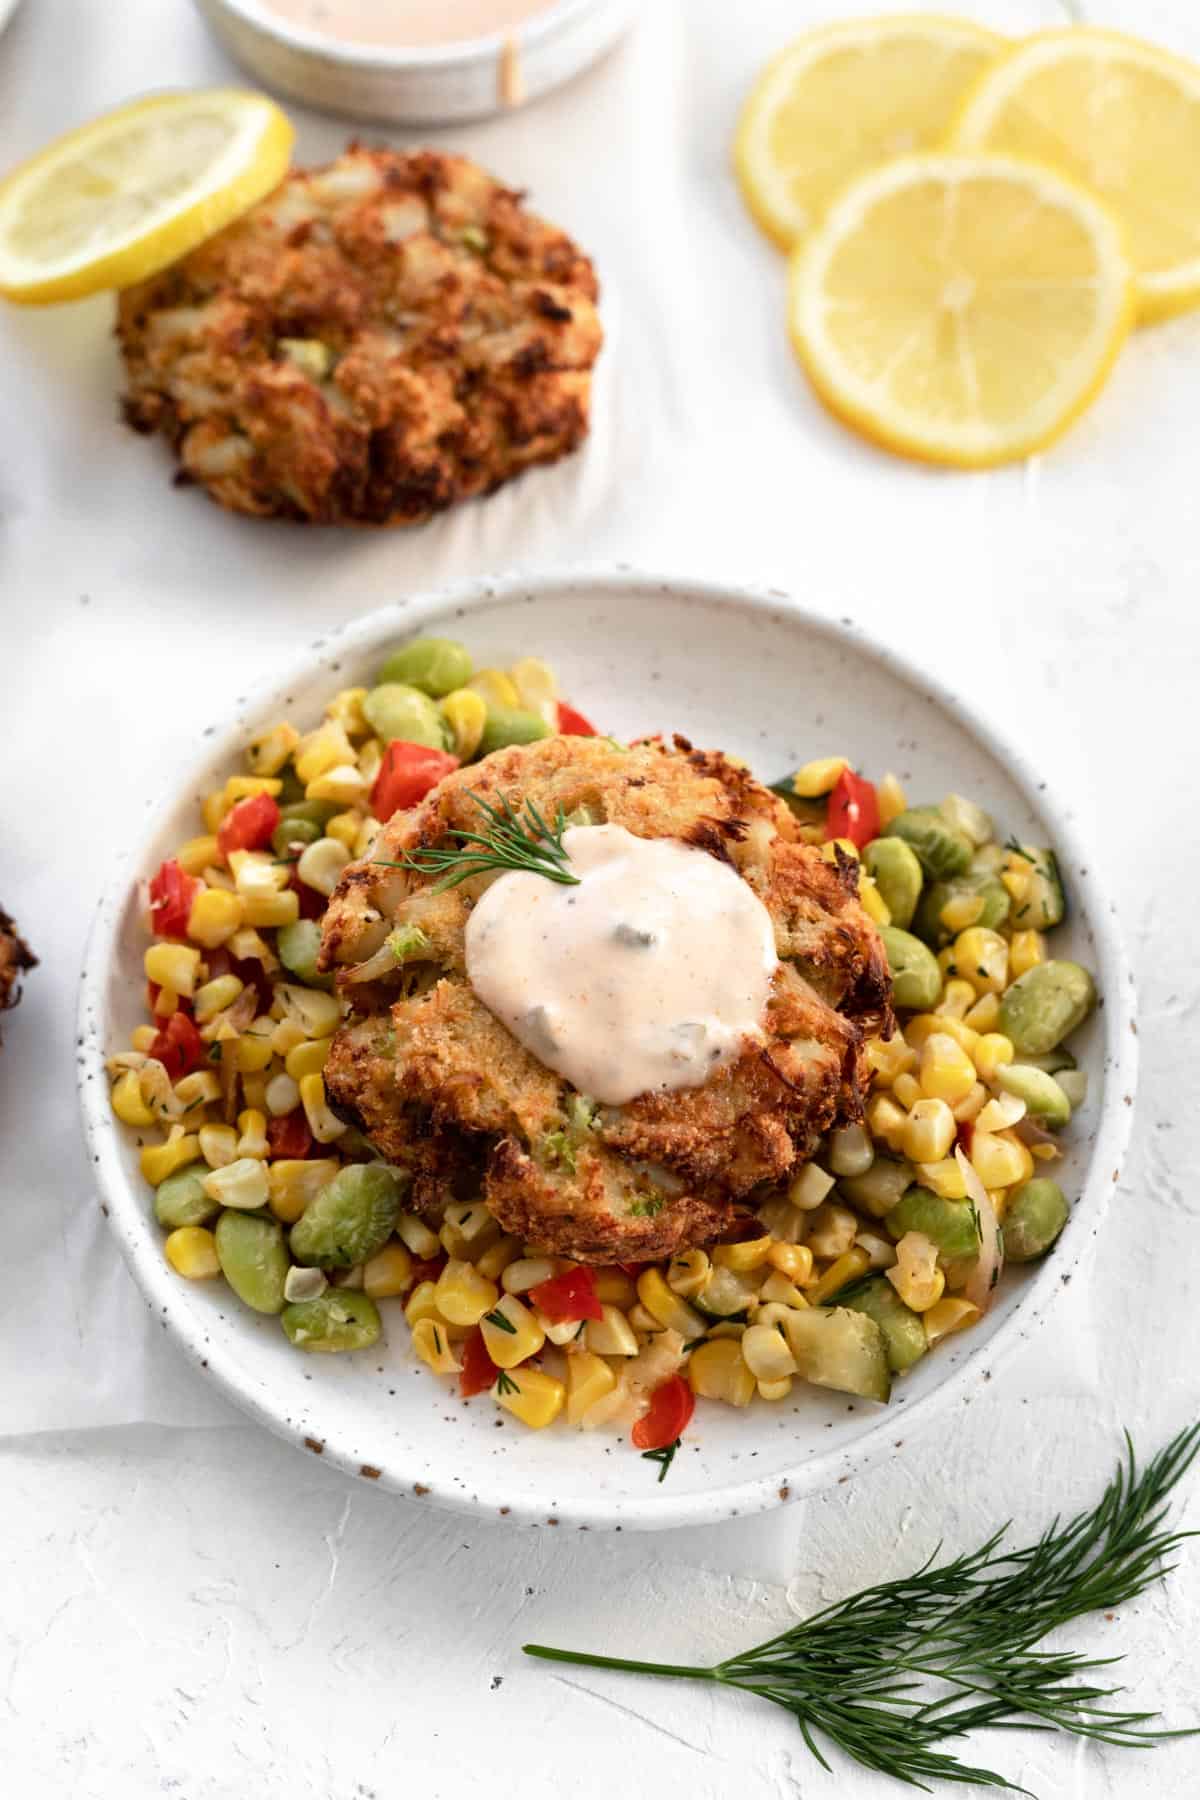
[(758, 675)]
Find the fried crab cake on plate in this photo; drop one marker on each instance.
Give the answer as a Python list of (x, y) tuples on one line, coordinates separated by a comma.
[(422, 1061), (376, 340)]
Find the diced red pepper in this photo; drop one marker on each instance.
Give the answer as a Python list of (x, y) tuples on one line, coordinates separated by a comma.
[(248, 825), (289, 1136), (406, 775), (571, 1295), (179, 1046), (633, 1270), (171, 896), (572, 723), (671, 1407), (478, 1369), (427, 1270), (853, 810)]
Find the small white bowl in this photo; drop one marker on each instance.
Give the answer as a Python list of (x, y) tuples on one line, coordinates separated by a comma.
[(455, 81), (762, 677)]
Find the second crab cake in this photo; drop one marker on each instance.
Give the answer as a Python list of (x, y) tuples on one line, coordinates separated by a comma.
[(375, 341)]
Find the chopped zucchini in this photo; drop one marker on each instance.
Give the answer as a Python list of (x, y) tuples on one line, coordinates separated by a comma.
[(903, 1332), (1044, 904), (950, 1224), (837, 1348)]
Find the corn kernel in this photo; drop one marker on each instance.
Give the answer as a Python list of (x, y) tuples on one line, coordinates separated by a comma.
[(589, 1379), (321, 749), (345, 709), (245, 787), (321, 864), (873, 902), (252, 1142), (496, 688), (166, 1003), (848, 1267), (370, 761), (750, 1254), (688, 1274), (466, 714), (1000, 1160), (615, 1288), (343, 785), (255, 873), (778, 1290), (831, 1230), (248, 946), (984, 1015), (214, 917), (463, 1295), (254, 1047), (345, 827), (218, 1145), (880, 1251), (924, 1025), (775, 1390), (611, 1335), (887, 1060), (282, 1096), (172, 966), (213, 809), (969, 1109), (497, 1257), (929, 1131), (197, 1089), (511, 1333), (949, 1314), (194, 856), (127, 1100), (956, 1000), (850, 1150), (270, 911), (717, 1371), (947, 1072), (888, 1121), (432, 1345), (531, 1396), (766, 1354), (192, 1253), (160, 1160), (906, 1090), (819, 777), (215, 996), (142, 1038), (242, 1184), (730, 1328), (916, 1276), (670, 1312), (892, 800), (943, 1178), (808, 1187), (325, 1126), (830, 849), (268, 752), (368, 831), (793, 1261), (389, 1272), (961, 911), (1027, 949), (416, 1236), (993, 1052), (421, 1304), (981, 958), (286, 1034), (294, 1182)]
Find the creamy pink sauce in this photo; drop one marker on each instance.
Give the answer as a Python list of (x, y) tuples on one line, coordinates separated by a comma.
[(407, 24), (650, 974)]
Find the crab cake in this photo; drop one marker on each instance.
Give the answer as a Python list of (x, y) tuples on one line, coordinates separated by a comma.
[(375, 341), (15, 959), (666, 1169)]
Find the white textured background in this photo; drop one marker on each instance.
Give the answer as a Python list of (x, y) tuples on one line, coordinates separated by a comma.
[(186, 1607)]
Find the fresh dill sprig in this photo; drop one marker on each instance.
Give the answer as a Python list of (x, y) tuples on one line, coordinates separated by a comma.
[(514, 841), (664, 1458), (857, 1673)]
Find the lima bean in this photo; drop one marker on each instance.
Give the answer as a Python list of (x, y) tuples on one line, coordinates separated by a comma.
[(338, 1319), (941, 850), (436, 665), (394, 710), (181, 1200), (253, 1259), (916, 978), (506, 725), (1044, 1005), (1035, 1215), (287, 835), (1044, 1098), (896, 872), (350, 1219), (950, 1224)]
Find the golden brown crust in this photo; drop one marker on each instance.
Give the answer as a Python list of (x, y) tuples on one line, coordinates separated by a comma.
[(15, 958), (667, 1169), (451, 336)]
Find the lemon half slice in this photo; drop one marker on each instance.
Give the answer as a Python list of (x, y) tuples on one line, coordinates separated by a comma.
[(845, 98), (1123, 118), (119, 199), (961, 309)]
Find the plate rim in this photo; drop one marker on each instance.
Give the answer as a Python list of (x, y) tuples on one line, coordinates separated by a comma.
[(658, 1509)]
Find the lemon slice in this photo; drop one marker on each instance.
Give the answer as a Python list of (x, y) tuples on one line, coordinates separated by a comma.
[(961, 309), (842, 100), (1123, 118), (119, 199)]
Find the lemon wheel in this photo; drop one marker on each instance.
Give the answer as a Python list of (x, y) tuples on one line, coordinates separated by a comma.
[(1123, 118), (118, 199), (961, 309), (843, 99)]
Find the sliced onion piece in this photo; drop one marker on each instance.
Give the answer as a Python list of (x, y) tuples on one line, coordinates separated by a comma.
[(980, 1285)]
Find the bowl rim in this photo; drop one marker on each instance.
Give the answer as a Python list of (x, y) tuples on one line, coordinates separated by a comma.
[(528, 35), (658, 1508)]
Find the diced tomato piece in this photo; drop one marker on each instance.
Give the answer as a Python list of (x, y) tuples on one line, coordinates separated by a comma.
[(478, 1369), (289, 1136), (572, 723), (406, 774), (571, 1295), (671, 1407), (964, 1137), (853, 810), (633, 1270), (427, 1270), (248, 825), (179, 1046), (171, 896)]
